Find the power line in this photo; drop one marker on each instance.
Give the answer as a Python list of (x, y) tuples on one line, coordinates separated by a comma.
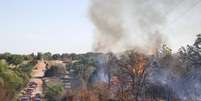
[(186, 12), (182, 15), (174, 8)]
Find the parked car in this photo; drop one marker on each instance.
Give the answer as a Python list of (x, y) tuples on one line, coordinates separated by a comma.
[(37, 97), (25, 98)]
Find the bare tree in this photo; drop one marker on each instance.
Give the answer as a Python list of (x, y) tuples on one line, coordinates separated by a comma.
[(134, 65)]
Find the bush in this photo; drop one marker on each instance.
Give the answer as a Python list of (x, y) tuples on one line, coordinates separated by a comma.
[(54, 92), (52, 71)]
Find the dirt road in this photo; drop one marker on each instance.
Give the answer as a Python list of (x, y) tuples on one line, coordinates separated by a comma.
[(30, 91), (37, 74), (39, 69)]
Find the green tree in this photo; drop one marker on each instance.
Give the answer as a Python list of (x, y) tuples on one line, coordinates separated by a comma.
[(39, 56), (15, 59), (29, 57), (54, 92), (11, 81), (5, 56), (47, 56), (56, 56)]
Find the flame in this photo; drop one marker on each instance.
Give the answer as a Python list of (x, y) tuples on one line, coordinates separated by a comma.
[(139, 67)]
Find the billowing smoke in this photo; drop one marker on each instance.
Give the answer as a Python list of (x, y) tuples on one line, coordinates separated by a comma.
[(106, 15), (139, 24), (129, 24)]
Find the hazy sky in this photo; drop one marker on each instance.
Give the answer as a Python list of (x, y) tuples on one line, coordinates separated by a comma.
[(64, 26), (45, 25)]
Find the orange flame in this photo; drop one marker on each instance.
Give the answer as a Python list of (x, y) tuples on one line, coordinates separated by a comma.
[(139, 66)]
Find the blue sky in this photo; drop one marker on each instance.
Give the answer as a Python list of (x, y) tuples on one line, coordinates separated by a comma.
[(62, 26)]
